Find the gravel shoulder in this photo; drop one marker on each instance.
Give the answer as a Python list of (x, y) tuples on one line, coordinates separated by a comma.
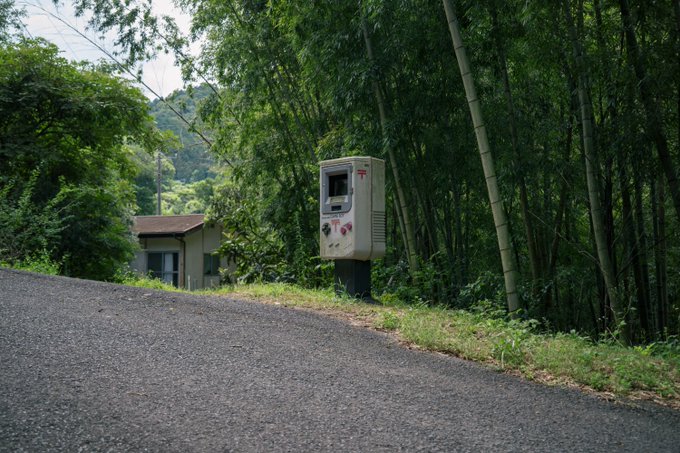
[(95, 366)]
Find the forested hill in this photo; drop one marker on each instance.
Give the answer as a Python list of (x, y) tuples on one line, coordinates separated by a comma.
[(187, 167), (190, 156)]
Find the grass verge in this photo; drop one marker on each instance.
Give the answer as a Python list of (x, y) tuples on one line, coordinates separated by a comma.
[(607, 369)]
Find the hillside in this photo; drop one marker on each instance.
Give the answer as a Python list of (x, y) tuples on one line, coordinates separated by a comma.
[(191, 159), (187, 169)]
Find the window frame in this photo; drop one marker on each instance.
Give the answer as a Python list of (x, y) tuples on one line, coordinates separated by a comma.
[(211, 265), (171, 277)]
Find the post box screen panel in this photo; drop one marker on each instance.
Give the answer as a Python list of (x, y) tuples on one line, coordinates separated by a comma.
[(337, 189)]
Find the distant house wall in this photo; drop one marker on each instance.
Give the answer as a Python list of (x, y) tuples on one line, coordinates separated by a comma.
[(194, 260), (211, 242), (201, 243), (192, 249), (161, 244)]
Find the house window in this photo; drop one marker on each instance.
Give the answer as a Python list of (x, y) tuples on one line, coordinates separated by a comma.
[(211, 265), (164, 266)]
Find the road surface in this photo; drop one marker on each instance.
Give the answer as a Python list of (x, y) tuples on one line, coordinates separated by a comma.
[(90, 366)]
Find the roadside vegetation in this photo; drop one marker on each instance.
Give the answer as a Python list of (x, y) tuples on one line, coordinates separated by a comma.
[(68, 131), (40, 263), (128, 278)]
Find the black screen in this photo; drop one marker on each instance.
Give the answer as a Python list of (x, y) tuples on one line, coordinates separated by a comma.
[(337, 185)]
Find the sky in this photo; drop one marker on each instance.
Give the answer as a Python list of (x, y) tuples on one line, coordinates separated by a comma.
[(161, 74)]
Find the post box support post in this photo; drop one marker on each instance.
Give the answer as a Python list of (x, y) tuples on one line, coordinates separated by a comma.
[(353, 277)]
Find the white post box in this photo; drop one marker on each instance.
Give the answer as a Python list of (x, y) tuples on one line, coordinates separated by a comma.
[(352, 219), (352, 208)]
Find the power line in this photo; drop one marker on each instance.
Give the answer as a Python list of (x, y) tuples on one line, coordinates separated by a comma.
[(126, 69)]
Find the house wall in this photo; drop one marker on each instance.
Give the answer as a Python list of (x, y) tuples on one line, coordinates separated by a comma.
[(196, 244), (207, 240), (211, 242), (194, 260)]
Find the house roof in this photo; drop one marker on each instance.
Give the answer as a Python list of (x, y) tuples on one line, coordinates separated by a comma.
[(166, 225)]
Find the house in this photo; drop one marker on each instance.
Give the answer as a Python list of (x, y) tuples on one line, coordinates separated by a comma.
[(178, 249)]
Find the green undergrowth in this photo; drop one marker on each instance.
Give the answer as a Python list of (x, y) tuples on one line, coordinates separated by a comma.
[(651, 372), (557, 358), (39, 262), (130, 278)]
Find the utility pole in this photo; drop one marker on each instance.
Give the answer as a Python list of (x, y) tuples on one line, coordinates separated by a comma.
[(158, 183)]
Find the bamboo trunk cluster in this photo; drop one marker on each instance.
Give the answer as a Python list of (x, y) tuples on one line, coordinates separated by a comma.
[(500, 218), (402, 206), (592, 180)]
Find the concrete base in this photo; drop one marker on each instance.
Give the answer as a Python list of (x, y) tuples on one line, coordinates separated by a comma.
[(353, 277)]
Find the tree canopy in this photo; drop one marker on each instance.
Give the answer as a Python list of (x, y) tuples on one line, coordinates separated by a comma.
[(9, 19), (64, 129)]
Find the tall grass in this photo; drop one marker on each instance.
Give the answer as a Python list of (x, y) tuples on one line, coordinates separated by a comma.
[(129, 278), (41, 263)]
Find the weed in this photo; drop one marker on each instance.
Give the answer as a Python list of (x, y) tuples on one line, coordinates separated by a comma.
[(389, 321), (129, 278), (41, 263), (509, 349)]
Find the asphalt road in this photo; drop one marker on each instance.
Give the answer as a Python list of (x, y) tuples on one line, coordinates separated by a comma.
[(89, 366)]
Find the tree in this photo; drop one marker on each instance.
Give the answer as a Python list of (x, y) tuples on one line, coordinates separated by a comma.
[(63, 134), (9, 19), (592, 179), (190, 153), (653, 116), (500, 218), (402, 207)]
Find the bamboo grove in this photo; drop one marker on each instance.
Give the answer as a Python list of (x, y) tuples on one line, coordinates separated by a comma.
[(580, 102)]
